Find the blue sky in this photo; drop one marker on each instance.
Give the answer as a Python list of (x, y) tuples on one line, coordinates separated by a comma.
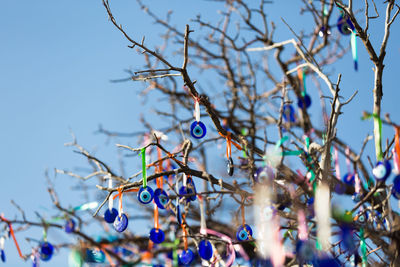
[(56, 62)]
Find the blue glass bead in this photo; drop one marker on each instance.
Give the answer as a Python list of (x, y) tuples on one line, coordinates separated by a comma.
[(178, 214), (186, 257), (244, 232), (109, 216), (344, 24), (121, 223), (46, 251), (326, 262), (348, 242), (305, 251), (324, 31), (161, 198), (145, 195), (191, 188), (306, 102), (261, 174), (396, 187), (198, 130), (95, 256), (3, 256), (229, 167), (186, 190), (205, 249), (35, 260), (382, 170), (69, 226), (340, 188), (348, 179), (288, 113), (157, 235)]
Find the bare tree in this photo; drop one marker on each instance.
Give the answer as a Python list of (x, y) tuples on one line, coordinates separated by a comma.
[(273, 204)]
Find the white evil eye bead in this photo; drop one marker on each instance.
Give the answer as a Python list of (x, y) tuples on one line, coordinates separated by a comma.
[(186, 257), (46, 251), (288, 113), (348, 179), (344, 24), (145, 195), (121, 223), (382, 170), (244, 232), (157, 236), (305, 102), (229, 167), (161, 198), (198, 130)]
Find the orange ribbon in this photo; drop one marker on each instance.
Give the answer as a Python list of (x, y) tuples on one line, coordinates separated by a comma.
[(185, 242), (12, 234), (229, 143), (397, 145)]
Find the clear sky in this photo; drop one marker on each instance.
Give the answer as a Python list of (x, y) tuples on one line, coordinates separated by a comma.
[(56, 62)]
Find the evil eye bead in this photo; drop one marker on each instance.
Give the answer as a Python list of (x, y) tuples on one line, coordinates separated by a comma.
[(382, 170), (205, 249), (69, 226), (304, 251), (95, 256), (110, 215), (344, 24), (178, 215), (121, 223), (340, 188), (186, 192), (326, 262), (261, 174), (186, 257), (396, 187), (192, 188), (348, 239), (46, 251), (145, 195), (161, 198), (198, 130), (3, 256), (324, 31), (288, 113), (229, 167), (348, 179), (157, 236), (244, 233), (304, 102)]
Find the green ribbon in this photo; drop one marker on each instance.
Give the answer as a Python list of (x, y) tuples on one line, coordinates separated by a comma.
[(143, 152), (174, 246), (303, 73), (87, 206), (287, 153), (244, 152), (363, 248), (377, 136), (353, 43), (75, 259)]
